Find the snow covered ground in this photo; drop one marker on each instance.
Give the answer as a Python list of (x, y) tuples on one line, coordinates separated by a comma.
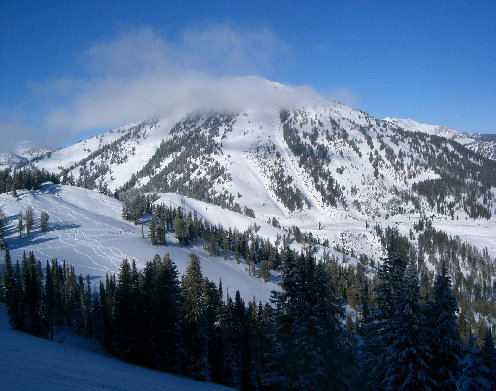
[(86, 229), (30, 363)]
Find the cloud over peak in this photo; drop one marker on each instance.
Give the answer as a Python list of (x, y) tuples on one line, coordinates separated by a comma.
[(138, 74)]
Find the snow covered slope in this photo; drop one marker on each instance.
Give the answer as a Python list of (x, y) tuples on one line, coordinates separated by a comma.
[(87, 231), (311, 163), (485, 144), (28, 363)]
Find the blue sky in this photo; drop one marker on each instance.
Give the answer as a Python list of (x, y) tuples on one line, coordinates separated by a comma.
[(72, 69)]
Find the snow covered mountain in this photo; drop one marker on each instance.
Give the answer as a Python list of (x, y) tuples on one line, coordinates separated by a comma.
[(24, 152), (313, 163), (485, 144)]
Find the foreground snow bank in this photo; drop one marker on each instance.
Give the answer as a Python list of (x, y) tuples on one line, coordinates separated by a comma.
[(30, 363)]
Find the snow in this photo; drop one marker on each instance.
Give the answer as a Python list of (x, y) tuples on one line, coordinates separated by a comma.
[(87, 230), (31, 363)]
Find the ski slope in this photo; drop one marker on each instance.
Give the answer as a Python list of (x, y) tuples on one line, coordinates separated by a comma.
[(78, 364), (86, 230)]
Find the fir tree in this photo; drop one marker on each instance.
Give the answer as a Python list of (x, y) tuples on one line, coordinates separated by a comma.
[(195, 361), (165, 315), (44, 217), (445, 340), (20, 225), (29, 218), (314, 351), (474, 374), (488, 357)]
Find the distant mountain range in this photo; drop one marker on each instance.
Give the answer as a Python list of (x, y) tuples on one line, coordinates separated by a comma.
[(485, 144)]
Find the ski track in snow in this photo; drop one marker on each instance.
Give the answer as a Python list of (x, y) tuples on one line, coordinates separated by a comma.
[(87, 231)]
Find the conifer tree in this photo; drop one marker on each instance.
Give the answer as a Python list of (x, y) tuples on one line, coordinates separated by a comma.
[(314, 351), (165, 316), (195, 361), (29, 217), (445, 342), (488, 357), (44, 217), (20, 225), (408, 354), (474, 374)]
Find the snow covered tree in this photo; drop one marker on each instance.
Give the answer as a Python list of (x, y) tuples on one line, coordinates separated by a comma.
[(313, 349), (44, 217), (408, 355), (474, 374), (488, 357), (29, 218), (447, 350)]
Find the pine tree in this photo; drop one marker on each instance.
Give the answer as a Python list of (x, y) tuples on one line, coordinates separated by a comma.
[(165, 314), (381, 332), (3, 222), (314, 351), (488, 357), (126, 314), (408, 355), (29, 218), (445, 342), (20, 225), (10, 293), (195, 361), (474, 374), (44, 217)]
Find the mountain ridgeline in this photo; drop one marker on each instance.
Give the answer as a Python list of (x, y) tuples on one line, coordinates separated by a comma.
[(317, 158)]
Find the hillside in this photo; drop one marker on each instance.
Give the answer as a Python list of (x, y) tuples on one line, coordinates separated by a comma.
[(86, 230), (76, 363), (484, 144), (316, 162)]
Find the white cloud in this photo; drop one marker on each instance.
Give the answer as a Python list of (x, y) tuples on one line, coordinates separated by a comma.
[(12, 134), (138, 75)]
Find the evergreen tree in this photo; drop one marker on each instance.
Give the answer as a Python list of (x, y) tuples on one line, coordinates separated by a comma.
[(20, 225), (488, 357), (408, 355), (33, 292), (29, 218), (445, 342), (474, 374), (314, 351), (10, 293), (44, 217), (126, 314), (165, 315), (195, 361), (381, 333), (3, 222)]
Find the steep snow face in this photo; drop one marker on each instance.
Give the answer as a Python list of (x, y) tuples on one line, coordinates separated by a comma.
[(31, 363), (87, 231), (479, 143)]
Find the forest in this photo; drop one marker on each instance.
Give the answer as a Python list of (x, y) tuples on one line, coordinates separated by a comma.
[(399, 339)]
